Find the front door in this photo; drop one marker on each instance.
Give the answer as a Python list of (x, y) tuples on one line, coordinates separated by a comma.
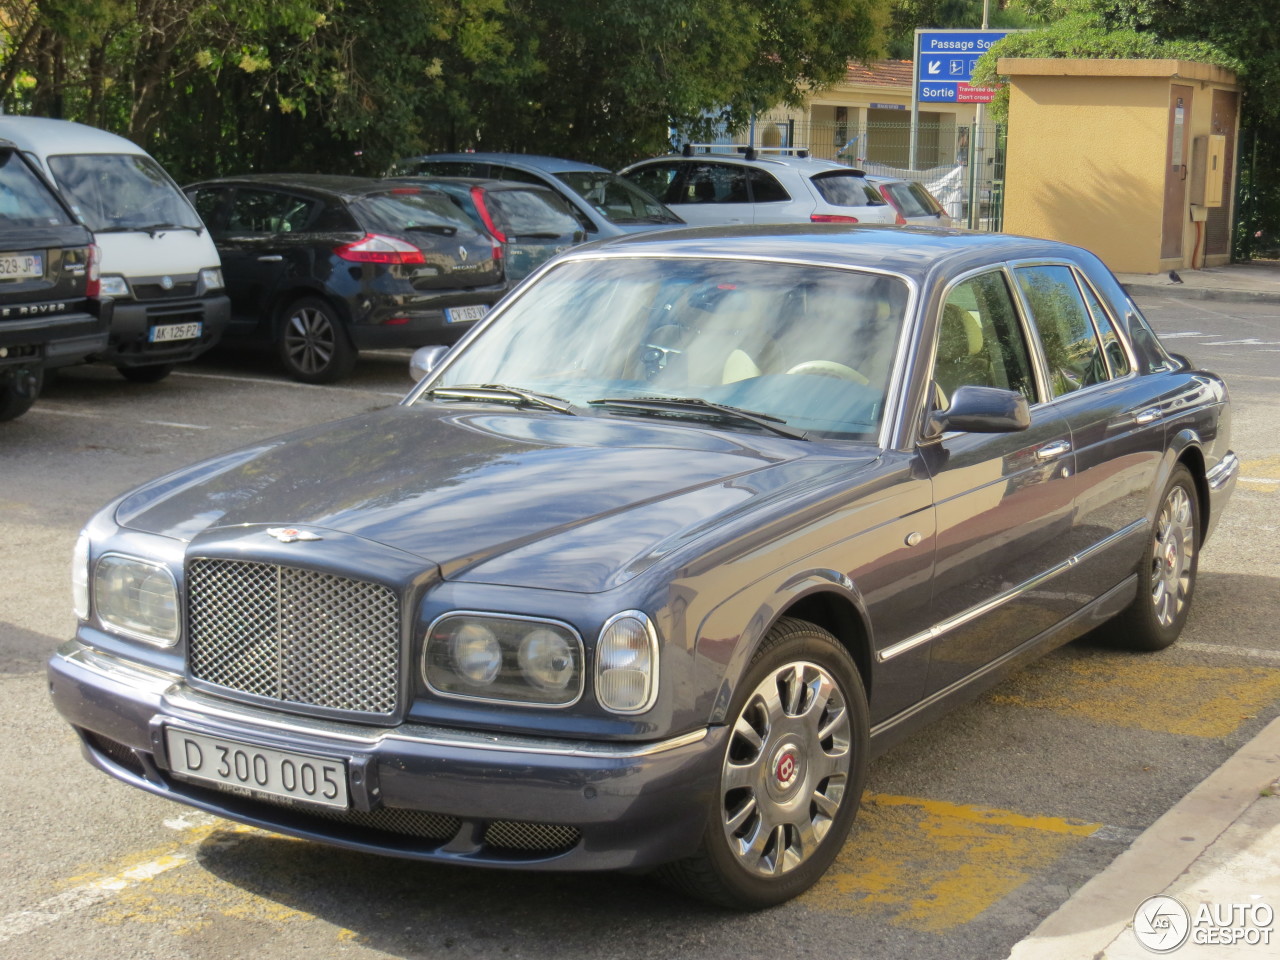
[(1177, 156)]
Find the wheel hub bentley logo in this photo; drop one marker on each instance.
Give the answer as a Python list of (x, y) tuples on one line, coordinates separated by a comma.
[(786, 768), (290, 535)]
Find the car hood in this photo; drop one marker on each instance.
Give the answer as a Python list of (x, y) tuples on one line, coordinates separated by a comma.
[(523, 498)]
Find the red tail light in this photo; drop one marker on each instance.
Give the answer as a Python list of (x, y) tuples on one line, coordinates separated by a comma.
[(482, 208), (377, 248), (93, 278), (831, 218), (898, 218)]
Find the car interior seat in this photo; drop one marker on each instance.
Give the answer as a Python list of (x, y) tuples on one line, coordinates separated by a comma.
[(960, 360)]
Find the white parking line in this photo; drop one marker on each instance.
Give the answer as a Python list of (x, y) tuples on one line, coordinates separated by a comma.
[(1255, 652), (289, 383), (44, 407)]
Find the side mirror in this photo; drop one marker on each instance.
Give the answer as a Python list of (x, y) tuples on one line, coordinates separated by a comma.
[(424, 360), (981, 410)]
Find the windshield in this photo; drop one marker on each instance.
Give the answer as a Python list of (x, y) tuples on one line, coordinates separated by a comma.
[(24, 200), (122, 192), (811, 346), (616, 199)]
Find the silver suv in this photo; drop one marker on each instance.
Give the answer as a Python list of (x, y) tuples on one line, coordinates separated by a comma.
[(759, 186)]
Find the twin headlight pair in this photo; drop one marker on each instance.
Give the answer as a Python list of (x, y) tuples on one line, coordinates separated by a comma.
[(540, 662), (473, 656)]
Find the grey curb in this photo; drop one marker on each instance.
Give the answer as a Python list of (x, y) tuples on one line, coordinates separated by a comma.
[(1187, 292), (1099, 912)]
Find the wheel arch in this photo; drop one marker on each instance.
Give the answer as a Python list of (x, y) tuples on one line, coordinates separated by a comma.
[(1188, 453)]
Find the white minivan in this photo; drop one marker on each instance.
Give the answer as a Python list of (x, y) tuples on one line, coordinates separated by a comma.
[(158, 261)]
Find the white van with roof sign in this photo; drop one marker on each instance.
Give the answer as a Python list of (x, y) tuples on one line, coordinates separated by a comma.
[(157, 259)]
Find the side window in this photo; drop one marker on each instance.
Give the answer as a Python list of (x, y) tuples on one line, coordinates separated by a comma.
[(206, 203), (766, 189), (264, 212), (512, 175), (658, 180), (1152, 357), (980, 341), (715, 183), (1071, 348), (334, 218), (452, 168), (1117, 359)]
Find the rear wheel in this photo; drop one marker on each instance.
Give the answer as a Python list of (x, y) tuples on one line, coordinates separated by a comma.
[(1167, 573), (18, 392), (313, 345), (791, 776), (152, 373)]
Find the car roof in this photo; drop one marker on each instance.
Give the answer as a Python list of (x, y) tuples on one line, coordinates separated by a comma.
[(47, 136), (487, 184), (914, 252), (809, 165), (333, 184), (527, 161)]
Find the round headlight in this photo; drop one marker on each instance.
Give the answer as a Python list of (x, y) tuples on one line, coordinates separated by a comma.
[(546, 659), (477, 655)]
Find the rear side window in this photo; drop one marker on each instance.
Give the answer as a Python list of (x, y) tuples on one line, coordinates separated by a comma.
[(121, 192), (24, 199), (529, 213), (397, 212), (1071, 347), (1117, 359), (513, 174), (715, 183), (907, 202), (765, 188), (264, 212), (846, 190)]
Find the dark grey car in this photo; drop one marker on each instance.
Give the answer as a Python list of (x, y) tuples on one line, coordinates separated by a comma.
[(650, 565)]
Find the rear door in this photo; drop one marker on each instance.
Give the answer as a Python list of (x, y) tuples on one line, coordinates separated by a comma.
[(714, 193)]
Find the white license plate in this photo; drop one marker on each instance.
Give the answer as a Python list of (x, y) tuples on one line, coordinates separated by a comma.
[(175, 331), (21, 266), (279, 773), (463, 314)]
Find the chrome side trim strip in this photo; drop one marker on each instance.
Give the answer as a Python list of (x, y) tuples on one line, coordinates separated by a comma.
[(194, 705), (1224, 471), (960, 619)]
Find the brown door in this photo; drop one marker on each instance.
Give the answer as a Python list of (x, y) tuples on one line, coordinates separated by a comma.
[(1177, 156), (1223, 121)]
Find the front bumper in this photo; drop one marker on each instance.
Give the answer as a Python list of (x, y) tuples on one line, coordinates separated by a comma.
[(417, 791), (131, 325)]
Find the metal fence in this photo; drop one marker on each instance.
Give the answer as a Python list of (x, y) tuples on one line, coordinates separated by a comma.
[(961, 164)]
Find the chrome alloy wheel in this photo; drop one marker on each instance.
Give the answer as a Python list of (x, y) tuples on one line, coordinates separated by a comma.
[(786, 769), (310, 339), (1171, 562)]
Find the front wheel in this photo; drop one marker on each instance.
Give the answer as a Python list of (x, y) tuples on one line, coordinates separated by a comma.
[(313, 345), (791, 776), (1167, 572)]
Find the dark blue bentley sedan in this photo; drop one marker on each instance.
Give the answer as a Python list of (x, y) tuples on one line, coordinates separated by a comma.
[(646, 568)]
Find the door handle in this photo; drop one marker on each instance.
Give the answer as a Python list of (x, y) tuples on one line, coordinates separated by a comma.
[(270, 258), (1149, 415), (1051, 451)]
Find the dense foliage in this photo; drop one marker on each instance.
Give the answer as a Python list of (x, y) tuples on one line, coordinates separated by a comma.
[(218, 86)]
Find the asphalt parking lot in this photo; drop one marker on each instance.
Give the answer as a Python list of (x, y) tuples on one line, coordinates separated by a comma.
[(971, 832)]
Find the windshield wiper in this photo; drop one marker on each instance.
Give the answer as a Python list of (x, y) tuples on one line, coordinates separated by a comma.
[(154, 229), (499, 392), (698, 405)]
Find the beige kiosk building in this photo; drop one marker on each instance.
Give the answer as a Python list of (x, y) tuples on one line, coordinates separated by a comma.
[(1134, 159)]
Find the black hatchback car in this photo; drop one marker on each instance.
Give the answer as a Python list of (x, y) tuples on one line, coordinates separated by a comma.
[(50, 314), (324, 266)]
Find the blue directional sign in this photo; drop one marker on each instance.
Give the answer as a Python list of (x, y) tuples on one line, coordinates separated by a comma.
[(945, 60)]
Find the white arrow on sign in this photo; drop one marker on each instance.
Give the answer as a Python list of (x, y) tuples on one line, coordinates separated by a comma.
[(933, 67)]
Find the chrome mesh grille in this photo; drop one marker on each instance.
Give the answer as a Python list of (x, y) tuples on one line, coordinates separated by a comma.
[(409, 823), (531, 837), (294, 635)]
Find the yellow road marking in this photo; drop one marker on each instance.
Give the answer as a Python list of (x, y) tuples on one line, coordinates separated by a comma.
[(1146, 694), (1261, 473), (933, 865)]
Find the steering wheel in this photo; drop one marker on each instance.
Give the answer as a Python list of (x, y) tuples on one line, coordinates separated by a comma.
[(829, 368)]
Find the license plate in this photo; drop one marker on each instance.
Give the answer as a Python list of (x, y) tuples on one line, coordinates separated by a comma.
[(463, 314), (175, 331), (21, 266), (280, 773)]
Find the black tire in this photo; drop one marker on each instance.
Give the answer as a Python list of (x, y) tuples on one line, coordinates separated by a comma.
[(14, 402), (312, 343), (1167, 572), (733, 867), (152, 373)]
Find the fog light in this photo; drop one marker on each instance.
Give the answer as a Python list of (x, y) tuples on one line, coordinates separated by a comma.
[(627, 663)]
